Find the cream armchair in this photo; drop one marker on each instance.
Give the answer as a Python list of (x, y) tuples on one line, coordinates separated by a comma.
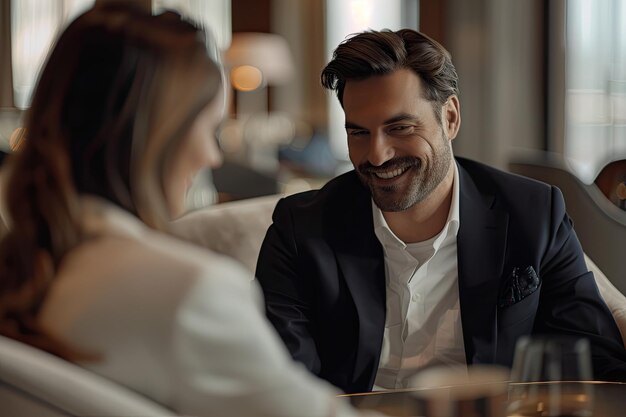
[(600, 225), (34, 383), (236, 228), (613, 298)]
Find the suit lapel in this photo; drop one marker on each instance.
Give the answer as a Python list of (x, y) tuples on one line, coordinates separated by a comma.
[(360, 259), (481, 243)]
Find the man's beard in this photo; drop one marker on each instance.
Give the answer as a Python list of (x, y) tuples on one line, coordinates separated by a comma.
[(423, 180)]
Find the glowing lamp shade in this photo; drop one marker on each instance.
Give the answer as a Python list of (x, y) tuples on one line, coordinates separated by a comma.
[(246, 78), (266, 53)]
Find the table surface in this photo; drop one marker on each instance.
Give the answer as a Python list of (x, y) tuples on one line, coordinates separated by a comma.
[(609, 400)]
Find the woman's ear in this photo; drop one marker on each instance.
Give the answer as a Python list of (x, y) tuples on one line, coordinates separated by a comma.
[(451, 116)]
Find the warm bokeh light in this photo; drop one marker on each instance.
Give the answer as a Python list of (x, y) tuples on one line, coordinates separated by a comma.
[(246, 78), (16, 141), (621, 191)]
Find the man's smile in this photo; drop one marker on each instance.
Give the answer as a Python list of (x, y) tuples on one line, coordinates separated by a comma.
[(391, 174)]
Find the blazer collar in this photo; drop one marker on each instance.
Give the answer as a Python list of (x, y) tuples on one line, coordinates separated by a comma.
[(360, 259), (481, 244)]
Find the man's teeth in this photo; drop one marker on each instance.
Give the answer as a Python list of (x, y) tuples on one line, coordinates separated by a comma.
[(390, 174)]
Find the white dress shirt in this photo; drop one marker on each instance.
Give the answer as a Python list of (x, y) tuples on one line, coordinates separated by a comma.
[(423, 321)]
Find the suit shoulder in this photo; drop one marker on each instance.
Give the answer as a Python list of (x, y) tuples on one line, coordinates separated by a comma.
[(488, 176), (342, 202)]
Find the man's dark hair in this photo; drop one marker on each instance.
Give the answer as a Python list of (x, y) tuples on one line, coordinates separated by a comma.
[(372, 53)]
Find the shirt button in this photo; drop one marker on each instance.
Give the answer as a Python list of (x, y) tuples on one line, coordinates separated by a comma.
[(415, 298)]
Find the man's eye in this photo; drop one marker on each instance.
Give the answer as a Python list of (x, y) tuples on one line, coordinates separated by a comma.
[(401, 130)]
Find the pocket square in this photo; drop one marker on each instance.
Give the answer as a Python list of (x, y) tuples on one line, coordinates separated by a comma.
[(520, 283)]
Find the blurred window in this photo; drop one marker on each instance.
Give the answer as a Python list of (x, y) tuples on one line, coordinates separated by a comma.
[(595, 84), (34, 26)]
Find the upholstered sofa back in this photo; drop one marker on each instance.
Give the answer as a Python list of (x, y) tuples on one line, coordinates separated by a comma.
[(236, 229)]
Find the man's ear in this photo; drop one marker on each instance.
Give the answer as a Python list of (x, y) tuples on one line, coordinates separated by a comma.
[(451, 115)]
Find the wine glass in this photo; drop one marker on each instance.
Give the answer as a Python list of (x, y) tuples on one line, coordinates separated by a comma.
[(550, 377)]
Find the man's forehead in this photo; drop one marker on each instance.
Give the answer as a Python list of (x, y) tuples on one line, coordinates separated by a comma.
[(381, 99), (400, 85)]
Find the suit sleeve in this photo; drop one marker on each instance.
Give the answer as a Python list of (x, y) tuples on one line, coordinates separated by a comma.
[(286, 290), (570, 301)]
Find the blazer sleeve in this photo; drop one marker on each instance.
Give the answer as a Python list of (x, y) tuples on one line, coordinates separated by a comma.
[(230, 361), (287, 294), (570, 301)]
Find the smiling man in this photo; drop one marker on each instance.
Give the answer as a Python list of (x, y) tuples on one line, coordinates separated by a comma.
[(417, 258)]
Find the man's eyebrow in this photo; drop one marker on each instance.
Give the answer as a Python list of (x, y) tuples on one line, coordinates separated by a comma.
[(403, 117), (350, 125)]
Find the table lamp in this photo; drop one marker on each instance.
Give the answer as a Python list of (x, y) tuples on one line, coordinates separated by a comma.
[(257, 61)]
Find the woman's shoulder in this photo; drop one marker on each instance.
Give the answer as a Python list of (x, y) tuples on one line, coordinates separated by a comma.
[(134, 276), (189, 256), (159, 256), (116, 239)]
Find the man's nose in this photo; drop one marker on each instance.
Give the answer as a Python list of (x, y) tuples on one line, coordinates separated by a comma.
[(380, 149)]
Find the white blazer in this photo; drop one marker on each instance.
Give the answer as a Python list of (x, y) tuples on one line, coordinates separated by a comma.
[(182, 325)]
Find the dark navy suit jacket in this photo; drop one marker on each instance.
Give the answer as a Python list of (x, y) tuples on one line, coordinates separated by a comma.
[(322, 271)]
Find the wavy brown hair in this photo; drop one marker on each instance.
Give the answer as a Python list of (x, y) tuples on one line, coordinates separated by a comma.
[(372, 53), (117, 95)]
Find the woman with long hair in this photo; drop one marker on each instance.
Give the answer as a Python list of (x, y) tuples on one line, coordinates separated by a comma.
[(123, 117)]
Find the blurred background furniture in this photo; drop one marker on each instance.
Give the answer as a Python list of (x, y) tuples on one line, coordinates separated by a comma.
[(238, 181), (256, 63), (612, 182), (34, 383), (599, 224)]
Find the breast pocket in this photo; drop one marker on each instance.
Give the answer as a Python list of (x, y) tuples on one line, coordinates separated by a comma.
[(520, 312)]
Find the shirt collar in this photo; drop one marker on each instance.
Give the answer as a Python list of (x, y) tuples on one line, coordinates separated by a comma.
[(389, 240)]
